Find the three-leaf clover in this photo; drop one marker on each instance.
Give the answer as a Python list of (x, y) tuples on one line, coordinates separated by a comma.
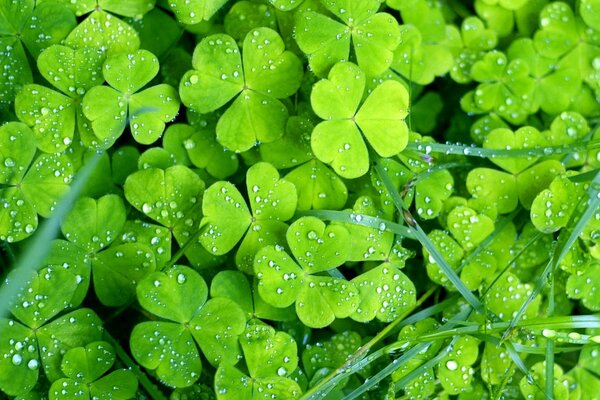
[(257, 79), (179, 297), (91, 229), (52, 115), (316, 248), (38, 338), (36, 26), (27, 187), (84, 367), (270, 357), (326, 41), (111, 108), (227, 218), (338, 140)]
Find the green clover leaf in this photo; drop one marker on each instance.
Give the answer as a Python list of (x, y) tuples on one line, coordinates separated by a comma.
[(454, 370), (583, 285), (110, 108), (25, 24), (132, 8), (385, 293), (194, 12), (452, 252), (90, 228), (214, 324), (27, 190), (468, 227), (102, 30), (245, 16), (84, 367), (495, 364), (568, 127), (270, 357), (234, 285), (327, 41), (522, 138), (560, 387), (318, 187), (337, 140), (227, 217), (316, 248), (36, 339), (262, 75), (331, 353), (507, 296), (552, 208)]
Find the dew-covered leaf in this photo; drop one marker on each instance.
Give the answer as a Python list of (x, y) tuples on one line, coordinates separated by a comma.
[(106, 109), (317, 247), (133, 9), (171, 197), (338, 96), (449, 249), (431, 192), (235, 286), (262, 232), (101, 30), (558, 33), (507, 296), (537, 178), (552, 208), (590, 13), (522, 138), (293, 148), (279, 277), (17, 148), (176, 294), (568, 127), (88, 363), (455, 370), (269, 68), (469, 227), (270, 197), (381, 118), (251, 119), (46, 294), (318, 187), (228, 387), (168, 349), (495, 364), (15, 68), (217, 75), (19, 360), (68, 389), (268, 352), (375, 39), (75, 329), (583, 285), (324, 41), (493, 186), (150, 110), (560, 387), (119, 385), (385, 292), (94, 224), (194, 12), (49, 24), (118, 269), (226, 218), (129, 72), (216, 327), (243, 16), (331, 353), (50, 114)]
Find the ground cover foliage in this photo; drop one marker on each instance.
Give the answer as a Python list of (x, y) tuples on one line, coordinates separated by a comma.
[(300, 199)]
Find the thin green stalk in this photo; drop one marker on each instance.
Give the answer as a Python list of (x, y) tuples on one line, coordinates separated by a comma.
[(550, 345)]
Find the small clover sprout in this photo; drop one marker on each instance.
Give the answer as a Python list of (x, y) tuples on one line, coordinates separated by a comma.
[(110, 109), (179, 296), (84, 367), (259, 77), (282, 281), (338, 140), (326, 41)]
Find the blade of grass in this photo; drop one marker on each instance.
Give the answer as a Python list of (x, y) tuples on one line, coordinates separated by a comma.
[(39, 246)]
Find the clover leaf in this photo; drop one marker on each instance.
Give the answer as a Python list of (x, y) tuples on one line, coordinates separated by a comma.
[(552, 208), (469, 227), (37, 338), (178, 296), (476, 41), (110, 108), (507, 296), (337, 140), (262, 75), (270, 358), (91, 229), (132, 8), (282, 281), (244, 16), (53, 116), (327, 41), (36, 26), (560, 387), (227, 218), (234, 285), (330, 354), (27, 188), (583, 285), (454, 370), (194, 12), (84, 367), (102, 30)]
